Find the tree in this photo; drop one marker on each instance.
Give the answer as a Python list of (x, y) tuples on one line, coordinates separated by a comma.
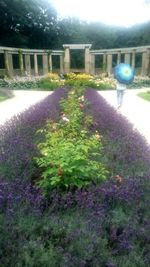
[(32, 23)]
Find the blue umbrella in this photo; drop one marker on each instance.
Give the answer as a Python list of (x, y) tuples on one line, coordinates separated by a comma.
[(124, 73)]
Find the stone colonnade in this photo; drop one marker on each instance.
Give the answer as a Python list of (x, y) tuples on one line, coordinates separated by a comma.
[(25, 68), (129, 57), (24, 61)]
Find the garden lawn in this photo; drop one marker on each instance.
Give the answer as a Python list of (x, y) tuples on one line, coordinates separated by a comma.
[(145, 95), (5, 94), (105, 225)]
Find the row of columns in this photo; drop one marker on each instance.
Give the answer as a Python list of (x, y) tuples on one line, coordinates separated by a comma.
[(129, 58), (25, 65)]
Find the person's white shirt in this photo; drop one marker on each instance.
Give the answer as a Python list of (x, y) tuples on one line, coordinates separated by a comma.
[(121, 86)]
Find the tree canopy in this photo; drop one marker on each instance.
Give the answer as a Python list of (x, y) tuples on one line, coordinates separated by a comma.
[(35, 24)]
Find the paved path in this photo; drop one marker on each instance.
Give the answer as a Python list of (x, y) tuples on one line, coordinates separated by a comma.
[(21, 101), (134, 108)]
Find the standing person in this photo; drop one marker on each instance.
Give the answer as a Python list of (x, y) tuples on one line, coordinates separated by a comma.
[(120, 87)]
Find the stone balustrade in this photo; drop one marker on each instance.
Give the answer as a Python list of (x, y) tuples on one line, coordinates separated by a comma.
[(27, 62)]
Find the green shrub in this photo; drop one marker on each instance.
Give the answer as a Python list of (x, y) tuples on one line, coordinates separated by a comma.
[(70, 163), (86, 80), (46, 84), (70, 157), (140, 82)]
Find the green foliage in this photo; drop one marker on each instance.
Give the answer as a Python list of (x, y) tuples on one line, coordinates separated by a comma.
[(46, 84), (70, 162), (78, 80), (28, 23), (86, 80), (70, 157), (140, 82), (35, 24), (145, 95), (32, 83), (5, 94)]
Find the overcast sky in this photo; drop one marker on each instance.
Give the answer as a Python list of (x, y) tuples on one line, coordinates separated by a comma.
[(113, 12)]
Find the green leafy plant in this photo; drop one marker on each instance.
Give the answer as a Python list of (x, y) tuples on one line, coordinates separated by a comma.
[(86, 80), (69, 162), (46, 84), (70, 156)]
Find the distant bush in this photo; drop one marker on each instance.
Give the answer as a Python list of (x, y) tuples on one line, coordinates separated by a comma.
[(87, 80), (50, 82), (140, 82)]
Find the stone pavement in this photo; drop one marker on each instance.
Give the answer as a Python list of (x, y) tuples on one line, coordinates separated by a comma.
[(21, 101), (134, 108)]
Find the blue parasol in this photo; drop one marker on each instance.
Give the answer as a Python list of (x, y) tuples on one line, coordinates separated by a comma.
[(124, 73)]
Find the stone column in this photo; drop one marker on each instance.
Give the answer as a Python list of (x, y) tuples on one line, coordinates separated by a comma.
[(92, 68), (61, 64), (109, 64), (8, 63), (118, 57), (67, 60), (127, 58), (145, 63), (148, 63), (45, 64), (87, 60), (133, 60), (27, 64), (104, 62), (35, 65), (21, 62), (50, 63)]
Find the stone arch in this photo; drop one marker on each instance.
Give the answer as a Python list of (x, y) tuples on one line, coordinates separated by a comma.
[(68, 47)]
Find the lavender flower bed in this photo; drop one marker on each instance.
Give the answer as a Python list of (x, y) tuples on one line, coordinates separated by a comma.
[(127, 152), (18, 137), (104, 226)]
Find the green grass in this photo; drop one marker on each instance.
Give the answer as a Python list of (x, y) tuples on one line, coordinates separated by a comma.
[(2, 98), (145, 95), (5, 94)]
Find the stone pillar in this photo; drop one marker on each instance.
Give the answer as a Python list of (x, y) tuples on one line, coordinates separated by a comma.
[(109, 64), (21, 62), (27, 64), (50, 63), (35, 65), (92, 68), (45, 64), (67, 60), (145, 63), (104, 62), (118, 57), (127, 58), (8, 63), (61, 64), (87, 60), (133, 60), (148, 63)]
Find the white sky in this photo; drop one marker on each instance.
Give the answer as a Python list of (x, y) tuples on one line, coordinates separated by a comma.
[(114, 12)]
